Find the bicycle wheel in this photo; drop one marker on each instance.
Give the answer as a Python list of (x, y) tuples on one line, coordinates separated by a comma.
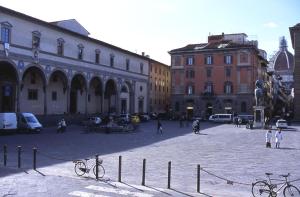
[(101, 171), (291, 190), (261, 188), (80, 168)]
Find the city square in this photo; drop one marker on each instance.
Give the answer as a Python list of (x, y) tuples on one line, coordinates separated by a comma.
[(234, 158)]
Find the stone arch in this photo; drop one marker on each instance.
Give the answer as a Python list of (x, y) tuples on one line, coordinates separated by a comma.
[(110, 96), (78, 93), (57, 94), (33, 90), (126, 97), (95, 95), (9, 82)]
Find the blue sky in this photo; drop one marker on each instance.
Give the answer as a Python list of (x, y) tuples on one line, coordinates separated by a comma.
[(158, 26)]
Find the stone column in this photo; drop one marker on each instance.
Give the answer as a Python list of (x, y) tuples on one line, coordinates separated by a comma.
[(17, 99), (45, 99), (68, 98)]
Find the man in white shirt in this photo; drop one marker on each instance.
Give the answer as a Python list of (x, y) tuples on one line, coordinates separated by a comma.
[(278, 138), (268, 139)]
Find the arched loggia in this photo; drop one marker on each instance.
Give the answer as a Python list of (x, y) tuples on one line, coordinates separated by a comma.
[(78, 94), (95, 95), (33, 91), (8, 87), (110, 97), (126, 98), (57, 94)]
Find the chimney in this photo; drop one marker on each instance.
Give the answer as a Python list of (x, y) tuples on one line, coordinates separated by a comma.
[(143, 53)]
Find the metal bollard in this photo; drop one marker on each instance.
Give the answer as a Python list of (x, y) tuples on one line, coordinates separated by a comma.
[(120, 168), (34, 158), (97, 167), (198, 178), (144, 172), (5, 154), (169, 175), (19, 156)]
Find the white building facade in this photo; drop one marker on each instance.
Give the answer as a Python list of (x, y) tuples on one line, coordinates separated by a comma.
[(56, 68)]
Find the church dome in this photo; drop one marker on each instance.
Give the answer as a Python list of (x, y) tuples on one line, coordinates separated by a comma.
[(283, 60)]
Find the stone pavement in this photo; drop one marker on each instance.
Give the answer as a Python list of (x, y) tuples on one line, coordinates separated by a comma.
[(235, 155)]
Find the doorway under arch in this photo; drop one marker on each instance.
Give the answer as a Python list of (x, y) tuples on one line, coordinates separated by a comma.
[(8, 87), (110, 97), (78, 94)]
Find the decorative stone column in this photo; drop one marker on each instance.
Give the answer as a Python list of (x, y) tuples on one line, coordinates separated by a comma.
[(259, 115), (45, 99)]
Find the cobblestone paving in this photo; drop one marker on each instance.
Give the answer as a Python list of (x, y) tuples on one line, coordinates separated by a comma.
[(232, 158)]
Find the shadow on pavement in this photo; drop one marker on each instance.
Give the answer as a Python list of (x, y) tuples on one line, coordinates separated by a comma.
[(54, 148)]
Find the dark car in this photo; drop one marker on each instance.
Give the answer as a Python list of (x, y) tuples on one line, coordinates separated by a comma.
[(246, 118)]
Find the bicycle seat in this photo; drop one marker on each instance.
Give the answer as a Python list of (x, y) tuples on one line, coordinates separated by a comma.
[(285, 175), (269, 174), (86, 159)]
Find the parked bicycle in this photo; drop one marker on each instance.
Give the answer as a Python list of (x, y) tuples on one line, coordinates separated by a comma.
[(265, 188), (83, 166)]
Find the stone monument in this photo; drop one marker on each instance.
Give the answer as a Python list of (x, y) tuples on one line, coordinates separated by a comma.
[(259, 105)]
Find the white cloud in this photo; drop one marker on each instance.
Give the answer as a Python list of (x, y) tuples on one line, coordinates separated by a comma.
[(271, 24)]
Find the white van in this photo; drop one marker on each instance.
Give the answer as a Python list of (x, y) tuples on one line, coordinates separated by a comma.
[(19, 122), (8, 122), (221, 118)]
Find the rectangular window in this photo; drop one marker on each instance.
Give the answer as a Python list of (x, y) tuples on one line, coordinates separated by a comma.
[(228, 89), (141, 67), (228, 72), (35, 41), (209, 60), (54, 96), (5, 35), (60, 48), (97, 58), (208, 72), (127, 64), (228, 59), (80, 53), (190, 61), (111, 61), (32, 94)]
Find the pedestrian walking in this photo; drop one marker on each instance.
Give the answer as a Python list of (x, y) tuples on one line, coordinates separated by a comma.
[(278, 138), (268, 139), (196, 126), (159, 127), (236, 122), (240, 121)]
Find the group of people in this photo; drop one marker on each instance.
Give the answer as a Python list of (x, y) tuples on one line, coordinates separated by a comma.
[(278, 138)]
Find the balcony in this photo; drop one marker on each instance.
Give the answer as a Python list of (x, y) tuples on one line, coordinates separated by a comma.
[(208, 95)]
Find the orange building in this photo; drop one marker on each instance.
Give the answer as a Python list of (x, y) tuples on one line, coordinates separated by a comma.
[(159, 87), (216, 77)]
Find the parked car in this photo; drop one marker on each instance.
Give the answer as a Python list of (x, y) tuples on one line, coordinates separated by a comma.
[(124, 118), (19, 122), (281, 123), (144, 117), (221, 118), (246, 118)]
